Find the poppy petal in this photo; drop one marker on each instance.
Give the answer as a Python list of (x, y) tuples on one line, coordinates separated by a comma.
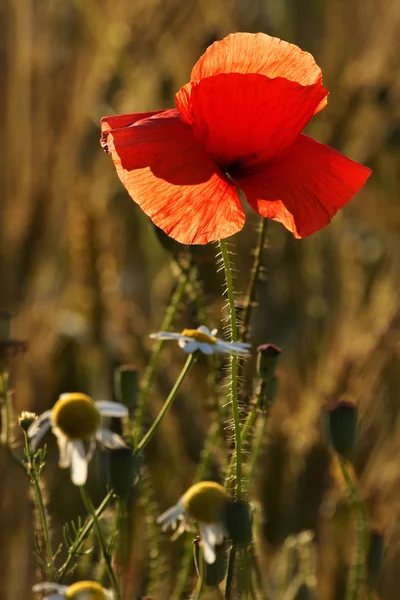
[(174, 181), (117, 121), (305, 187), (259, 53), (238, 117)]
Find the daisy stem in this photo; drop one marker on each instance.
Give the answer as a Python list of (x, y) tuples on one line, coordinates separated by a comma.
[(33, 471), (254, 278), (358, 577), (107, 557), (230, 573), (156, 353), (167, 404), (234, 366), (82, 536)]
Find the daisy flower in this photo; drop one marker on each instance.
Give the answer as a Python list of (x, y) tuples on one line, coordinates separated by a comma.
[(206, 503), (191, 340), (75, 419), (237, 124), (82, 590)]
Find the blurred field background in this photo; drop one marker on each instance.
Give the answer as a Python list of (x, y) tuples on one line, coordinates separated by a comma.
[(87, 279)]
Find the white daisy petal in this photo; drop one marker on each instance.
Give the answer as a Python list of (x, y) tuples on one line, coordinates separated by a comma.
[(109, 439), (79, 465), (204, 329), (165, 335), (39, 435), (37, 423), (109, 594), (171, 516), (209, 539), (111, 409), (49, 587), (214, 332), (206, 348), (65, 448), (189, 346), (55, 597)]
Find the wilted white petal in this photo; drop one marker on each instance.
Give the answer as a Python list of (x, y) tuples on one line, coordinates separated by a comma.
[(111, 409), (171, 516), (210, 535), (79, 466), (37, 438), (188, 346), (165, 335), (49, 587), (206, 348), (38, 423), (65, 448), (109, 439)]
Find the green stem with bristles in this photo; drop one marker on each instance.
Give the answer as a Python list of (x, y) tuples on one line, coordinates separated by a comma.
[(234, 367), (92, 511), (167, 404)]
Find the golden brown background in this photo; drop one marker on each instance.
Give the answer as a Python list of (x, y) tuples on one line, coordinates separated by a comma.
[(87, 279)]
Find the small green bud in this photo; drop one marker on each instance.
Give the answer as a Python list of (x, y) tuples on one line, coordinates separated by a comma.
[(126, 385), (124, 467), (215, 573), (239, 522), (340, 426), (375, 558), (267, 360)]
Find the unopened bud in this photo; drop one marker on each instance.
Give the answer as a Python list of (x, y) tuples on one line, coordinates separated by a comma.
[(239, 522), (126, 384), (215, 573), (340, 426), (26, 419), (267, 360)]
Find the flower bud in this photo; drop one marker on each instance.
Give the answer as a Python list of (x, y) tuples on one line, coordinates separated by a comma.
[(126, 385), (239, 522), (340, 426), (124, 467), (375, 558), (26, 419), (214, 573), (267, 360)]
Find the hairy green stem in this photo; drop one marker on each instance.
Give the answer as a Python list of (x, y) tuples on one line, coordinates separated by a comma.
[(34, 476), (254, 278), (167, 404), (358, 575), (234, 367), (84, 532), (92, 511)]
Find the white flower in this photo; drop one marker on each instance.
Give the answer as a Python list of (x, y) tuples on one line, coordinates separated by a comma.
[(75, 419), (204, 502), (204, 340), (82, 590)]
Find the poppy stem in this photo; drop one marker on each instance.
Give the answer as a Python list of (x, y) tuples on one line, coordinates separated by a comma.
[(167, 404), (234, 366), (254, 278)]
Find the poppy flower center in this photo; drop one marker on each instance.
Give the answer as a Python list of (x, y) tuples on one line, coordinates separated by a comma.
[(85, 590), (200, 336), (76, 416), (206, 501)]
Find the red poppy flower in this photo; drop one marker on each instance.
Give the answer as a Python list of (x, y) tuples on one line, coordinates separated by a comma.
[(238, 122)]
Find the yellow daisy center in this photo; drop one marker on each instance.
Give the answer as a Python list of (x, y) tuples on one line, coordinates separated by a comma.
[(76, 416), (205, 501), (200, 336), (85, 590)]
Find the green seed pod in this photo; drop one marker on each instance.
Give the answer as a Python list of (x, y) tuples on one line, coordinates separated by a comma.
[(216, 572), (340, 426), (267, 360), (124, 467), (375, 558), (239, 522), (126, 385)]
